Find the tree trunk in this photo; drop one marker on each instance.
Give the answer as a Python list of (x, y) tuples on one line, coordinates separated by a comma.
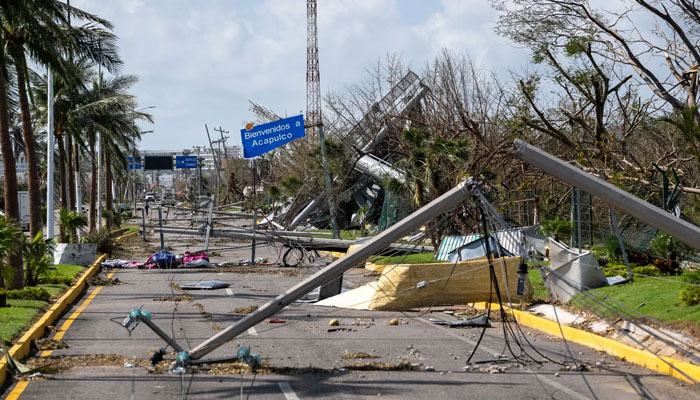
[(62, 172), (71, 173), (93, 182), (35, 222), (108, 188), (10, 171)]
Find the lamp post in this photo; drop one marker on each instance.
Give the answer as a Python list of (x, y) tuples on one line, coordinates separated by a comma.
[(49, 159)]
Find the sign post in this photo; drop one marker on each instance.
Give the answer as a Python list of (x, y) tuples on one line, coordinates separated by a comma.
[(258, 140)]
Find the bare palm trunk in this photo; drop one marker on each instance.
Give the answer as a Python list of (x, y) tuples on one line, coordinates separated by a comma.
[(10, 171), (71, 173), (64, 181), (93, 182), (108, 188), (35, 223)]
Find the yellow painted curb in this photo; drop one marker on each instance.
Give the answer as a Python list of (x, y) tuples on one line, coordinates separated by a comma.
[(21, 349), (628, 353)]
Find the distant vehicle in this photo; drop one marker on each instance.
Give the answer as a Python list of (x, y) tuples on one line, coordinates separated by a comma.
[(122, 207), (150, 197), (168, 199)]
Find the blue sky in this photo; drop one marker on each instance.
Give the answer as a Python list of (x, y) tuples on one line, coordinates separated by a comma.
[(201, 61)]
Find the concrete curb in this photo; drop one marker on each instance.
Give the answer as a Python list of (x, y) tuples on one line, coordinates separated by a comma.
[(628, 353), (21, 349)]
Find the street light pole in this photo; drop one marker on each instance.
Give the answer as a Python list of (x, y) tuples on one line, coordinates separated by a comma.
[(49, 160)]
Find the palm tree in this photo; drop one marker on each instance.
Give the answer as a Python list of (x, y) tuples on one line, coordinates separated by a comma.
[(41, 29)]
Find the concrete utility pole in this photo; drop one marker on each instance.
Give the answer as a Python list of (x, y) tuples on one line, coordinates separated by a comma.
[(223, 140), (49, 160), (217, 162), (611, 194), (435, 208)]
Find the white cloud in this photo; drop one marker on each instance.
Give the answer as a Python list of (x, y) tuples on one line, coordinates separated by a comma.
[(201, 61)]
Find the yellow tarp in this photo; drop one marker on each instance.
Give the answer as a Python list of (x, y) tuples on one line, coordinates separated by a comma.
[(469, 282)]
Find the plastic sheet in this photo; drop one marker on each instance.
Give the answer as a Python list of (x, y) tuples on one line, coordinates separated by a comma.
[(398, 286)]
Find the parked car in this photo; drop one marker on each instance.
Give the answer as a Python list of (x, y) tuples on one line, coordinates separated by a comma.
[(150, 197)]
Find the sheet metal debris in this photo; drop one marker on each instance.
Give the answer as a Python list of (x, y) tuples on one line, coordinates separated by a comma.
[(204, 285)]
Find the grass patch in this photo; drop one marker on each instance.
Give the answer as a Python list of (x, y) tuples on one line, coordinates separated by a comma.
[(20, 314), (69, 270), (419, 258), (538, 286), (655, 298), (130, 229), (327, 234)]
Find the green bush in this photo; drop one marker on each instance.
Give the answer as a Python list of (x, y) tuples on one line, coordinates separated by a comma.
[(55, 278), (690, 296), (648, 270), (105, 242), (28, 293), (617, 269)]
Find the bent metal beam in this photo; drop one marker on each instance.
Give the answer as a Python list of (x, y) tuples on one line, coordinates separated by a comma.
[(442, 204), (616, 197)]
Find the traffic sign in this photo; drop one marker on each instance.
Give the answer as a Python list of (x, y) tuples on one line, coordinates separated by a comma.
[(186, 162), (134, 163), (260, 139)]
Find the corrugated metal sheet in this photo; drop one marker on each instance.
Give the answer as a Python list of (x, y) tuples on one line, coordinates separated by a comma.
[(510, 240)]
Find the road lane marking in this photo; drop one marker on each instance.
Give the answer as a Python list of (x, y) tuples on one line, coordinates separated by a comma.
[(252, 331), (74, 316), (17, 391), (22, 385), (229, 292), (288, 391)]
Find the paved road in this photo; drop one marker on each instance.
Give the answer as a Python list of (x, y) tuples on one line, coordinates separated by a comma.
[(304, 341)]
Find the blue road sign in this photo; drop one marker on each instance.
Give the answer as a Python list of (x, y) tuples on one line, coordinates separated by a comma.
[(186, 162), (263, 138), (134, 164)]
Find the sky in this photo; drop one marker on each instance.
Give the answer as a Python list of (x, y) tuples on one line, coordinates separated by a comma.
[(201, 61)]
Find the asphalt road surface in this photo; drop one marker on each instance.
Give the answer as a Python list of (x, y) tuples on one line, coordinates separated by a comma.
[(437, 354)]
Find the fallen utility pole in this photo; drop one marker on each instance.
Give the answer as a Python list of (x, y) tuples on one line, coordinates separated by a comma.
[(442, 204), (616, 197), (292, 240)]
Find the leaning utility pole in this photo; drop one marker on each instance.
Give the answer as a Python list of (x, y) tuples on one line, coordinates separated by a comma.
[(223, 140), (313, 104), (217, 162)]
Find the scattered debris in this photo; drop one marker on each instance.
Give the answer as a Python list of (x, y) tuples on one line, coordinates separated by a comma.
[(341, 330), (276, 321), (204, 285), (232, 267), (334, 322), (394, 321), (359, 355), (244, 310), (377, 366), (207, 316), (99, 281), (51, 344), (180, 297)]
